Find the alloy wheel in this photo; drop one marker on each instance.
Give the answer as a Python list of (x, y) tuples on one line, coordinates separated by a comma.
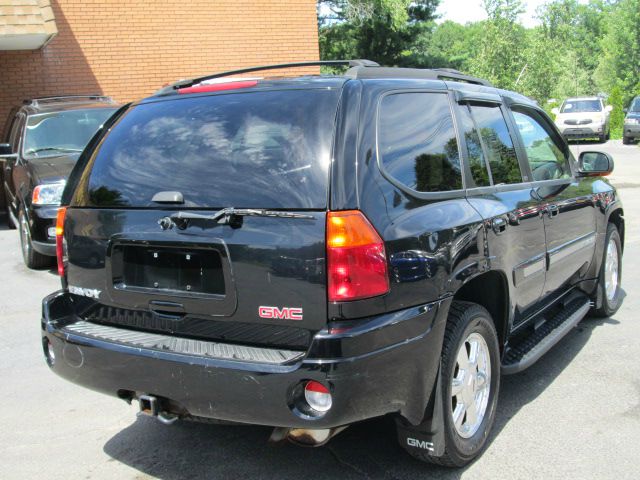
[(471, 385)]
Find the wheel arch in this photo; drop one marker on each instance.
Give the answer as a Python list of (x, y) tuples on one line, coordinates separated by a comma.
[(490, 290), (616, 216)]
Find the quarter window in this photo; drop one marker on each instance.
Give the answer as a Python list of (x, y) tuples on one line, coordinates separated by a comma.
[(546, 158), (498, 144), (417, 141)]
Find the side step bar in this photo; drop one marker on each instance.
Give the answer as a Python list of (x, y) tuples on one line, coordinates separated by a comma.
[(529, 351)]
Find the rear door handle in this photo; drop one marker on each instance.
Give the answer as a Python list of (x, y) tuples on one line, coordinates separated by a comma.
[(499, 225)]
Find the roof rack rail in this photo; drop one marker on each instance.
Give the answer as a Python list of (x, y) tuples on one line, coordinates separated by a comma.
[(420, 73), (195, 81), (452, 74), (64, 98)]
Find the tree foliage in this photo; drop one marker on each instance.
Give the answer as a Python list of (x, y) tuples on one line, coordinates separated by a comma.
[(501, 55), (619, 64), (577, 49), (390, 31)]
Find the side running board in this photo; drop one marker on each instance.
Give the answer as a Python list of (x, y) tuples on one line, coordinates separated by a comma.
[(530, 349)]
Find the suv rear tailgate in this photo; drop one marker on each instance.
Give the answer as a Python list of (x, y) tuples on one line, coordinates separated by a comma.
[(216, 271), (262, 149)]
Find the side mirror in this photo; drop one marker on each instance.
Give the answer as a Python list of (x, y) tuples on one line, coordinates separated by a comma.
[(594, 164), (6, 150), (608, 108), (555, 110)]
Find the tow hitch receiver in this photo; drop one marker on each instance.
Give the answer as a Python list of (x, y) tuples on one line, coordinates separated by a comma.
[(150, 407)]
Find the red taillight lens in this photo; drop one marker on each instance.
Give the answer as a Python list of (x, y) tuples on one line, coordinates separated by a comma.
[(317, 396), (356, 260), (60, 253)]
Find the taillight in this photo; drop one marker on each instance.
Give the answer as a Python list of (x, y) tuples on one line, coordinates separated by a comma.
[(356, 260), (60, 247), (317, 396)]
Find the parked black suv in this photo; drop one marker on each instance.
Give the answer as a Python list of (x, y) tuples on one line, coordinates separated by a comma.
[(631, 128), (43, 139), (308, 253)]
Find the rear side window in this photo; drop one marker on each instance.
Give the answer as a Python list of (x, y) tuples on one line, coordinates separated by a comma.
[(498, 144), (268, 149), (417, 141)]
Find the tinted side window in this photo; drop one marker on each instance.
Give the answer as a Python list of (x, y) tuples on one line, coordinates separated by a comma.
[(417, 141), (498, 144), (475, 154), (545, 156)]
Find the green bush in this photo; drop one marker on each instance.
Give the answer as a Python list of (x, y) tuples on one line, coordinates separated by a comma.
[(617, 115)]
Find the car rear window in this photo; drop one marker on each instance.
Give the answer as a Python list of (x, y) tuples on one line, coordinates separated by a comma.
[(268, 149)]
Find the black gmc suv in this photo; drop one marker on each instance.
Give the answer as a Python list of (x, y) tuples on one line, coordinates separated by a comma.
[(312, 252), (43, 139)]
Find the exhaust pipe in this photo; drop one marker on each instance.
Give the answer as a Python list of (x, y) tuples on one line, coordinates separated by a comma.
[(150, 407), (305, 437)]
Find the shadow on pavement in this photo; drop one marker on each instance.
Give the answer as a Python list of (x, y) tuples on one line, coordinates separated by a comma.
[(3, 222), (369, 449)]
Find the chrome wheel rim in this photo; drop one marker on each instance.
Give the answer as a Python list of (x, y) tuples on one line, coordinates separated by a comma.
[(24, 236), (470, 385), (611, 270)]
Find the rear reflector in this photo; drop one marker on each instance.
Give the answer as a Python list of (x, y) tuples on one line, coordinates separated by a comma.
[(60, 250), (218, 87), (356, 259), (317, 396)]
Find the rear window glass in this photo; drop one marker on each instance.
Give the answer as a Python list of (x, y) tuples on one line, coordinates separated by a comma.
[(417, 142), (267, 149)]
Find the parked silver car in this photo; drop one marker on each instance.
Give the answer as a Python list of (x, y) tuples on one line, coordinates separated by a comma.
[(583, 117)]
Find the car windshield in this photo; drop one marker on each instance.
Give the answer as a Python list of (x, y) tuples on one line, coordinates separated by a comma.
[(635, 105), (68, 131), (581, 106)]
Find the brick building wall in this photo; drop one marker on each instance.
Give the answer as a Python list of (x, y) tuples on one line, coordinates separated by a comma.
[(130, 48)]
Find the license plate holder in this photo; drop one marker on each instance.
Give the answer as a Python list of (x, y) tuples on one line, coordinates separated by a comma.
[(176, 270)]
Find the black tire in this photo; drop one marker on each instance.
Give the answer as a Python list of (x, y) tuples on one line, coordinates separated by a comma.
[(465, 319), (32, 259), (609, 305), (626, 140), (602, 138)]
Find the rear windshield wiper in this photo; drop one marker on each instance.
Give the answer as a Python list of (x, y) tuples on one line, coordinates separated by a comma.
[(226, 216)]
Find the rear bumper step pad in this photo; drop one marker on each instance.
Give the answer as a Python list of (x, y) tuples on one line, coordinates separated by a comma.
[(186, 346)]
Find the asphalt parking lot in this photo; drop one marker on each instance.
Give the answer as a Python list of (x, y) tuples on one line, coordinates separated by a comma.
[(575, 414)]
